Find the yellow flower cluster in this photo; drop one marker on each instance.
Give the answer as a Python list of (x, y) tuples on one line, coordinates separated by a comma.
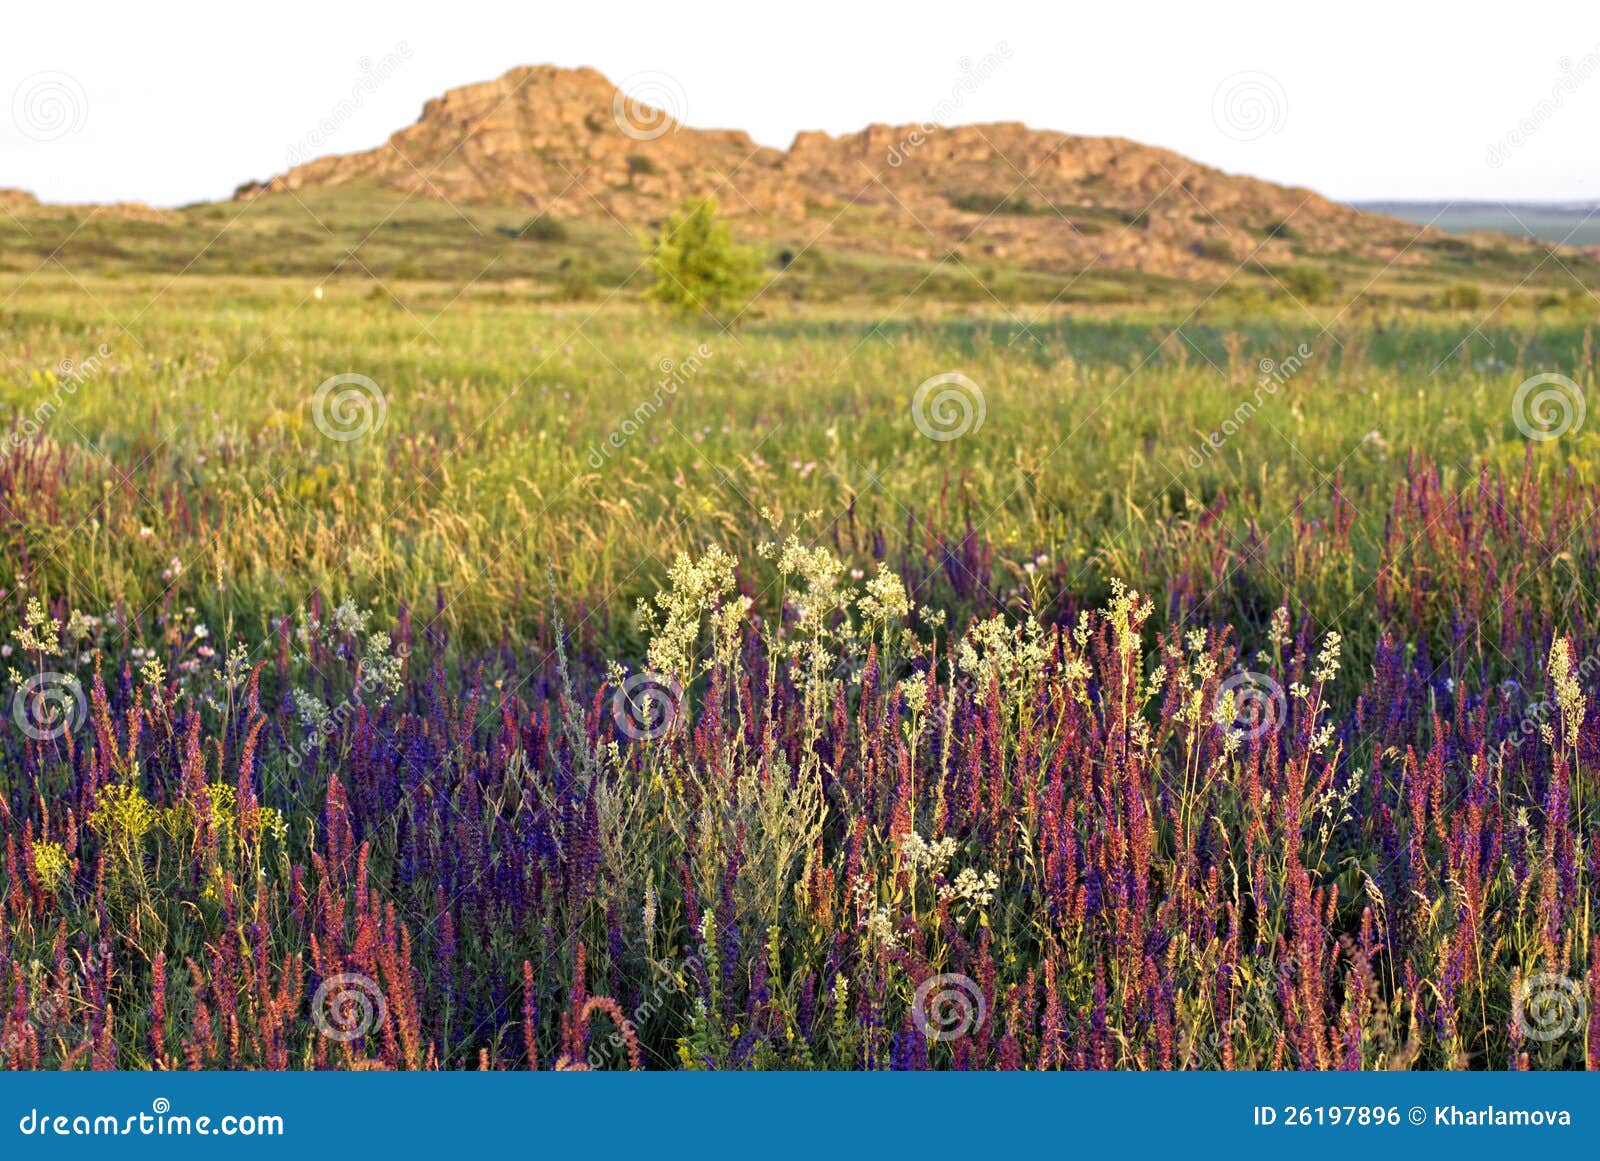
[(121, 812), (50, 860)]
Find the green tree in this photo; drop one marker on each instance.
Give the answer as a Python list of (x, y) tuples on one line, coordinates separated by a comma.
[(697, 264)]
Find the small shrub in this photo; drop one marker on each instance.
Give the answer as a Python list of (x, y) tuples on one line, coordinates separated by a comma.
[(1462, 296), (545, 228), (576, 282), (698, 266), (1308, 283)]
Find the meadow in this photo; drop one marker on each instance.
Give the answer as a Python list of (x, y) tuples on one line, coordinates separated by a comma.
[(434, 673)]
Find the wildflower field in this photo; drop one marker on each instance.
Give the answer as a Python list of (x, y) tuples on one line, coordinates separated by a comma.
[(420, 676)]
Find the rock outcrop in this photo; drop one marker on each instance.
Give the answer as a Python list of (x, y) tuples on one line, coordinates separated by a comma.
[(568, 143)]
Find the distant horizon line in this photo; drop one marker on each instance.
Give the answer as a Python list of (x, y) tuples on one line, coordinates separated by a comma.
[(1590, 204)]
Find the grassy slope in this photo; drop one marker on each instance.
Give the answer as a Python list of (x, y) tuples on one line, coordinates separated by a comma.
[(361, 233)]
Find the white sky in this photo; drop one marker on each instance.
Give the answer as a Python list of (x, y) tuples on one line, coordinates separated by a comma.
[(181, 101)]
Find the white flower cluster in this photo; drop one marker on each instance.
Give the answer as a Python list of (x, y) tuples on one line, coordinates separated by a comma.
[(918, 854), (971, 888)]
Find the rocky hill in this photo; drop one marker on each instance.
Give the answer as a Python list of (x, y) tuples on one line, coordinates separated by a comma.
[(24, 204), (565, 142), (12, 200)]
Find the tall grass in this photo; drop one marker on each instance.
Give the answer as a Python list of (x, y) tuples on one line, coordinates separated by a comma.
[(362, 752)]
